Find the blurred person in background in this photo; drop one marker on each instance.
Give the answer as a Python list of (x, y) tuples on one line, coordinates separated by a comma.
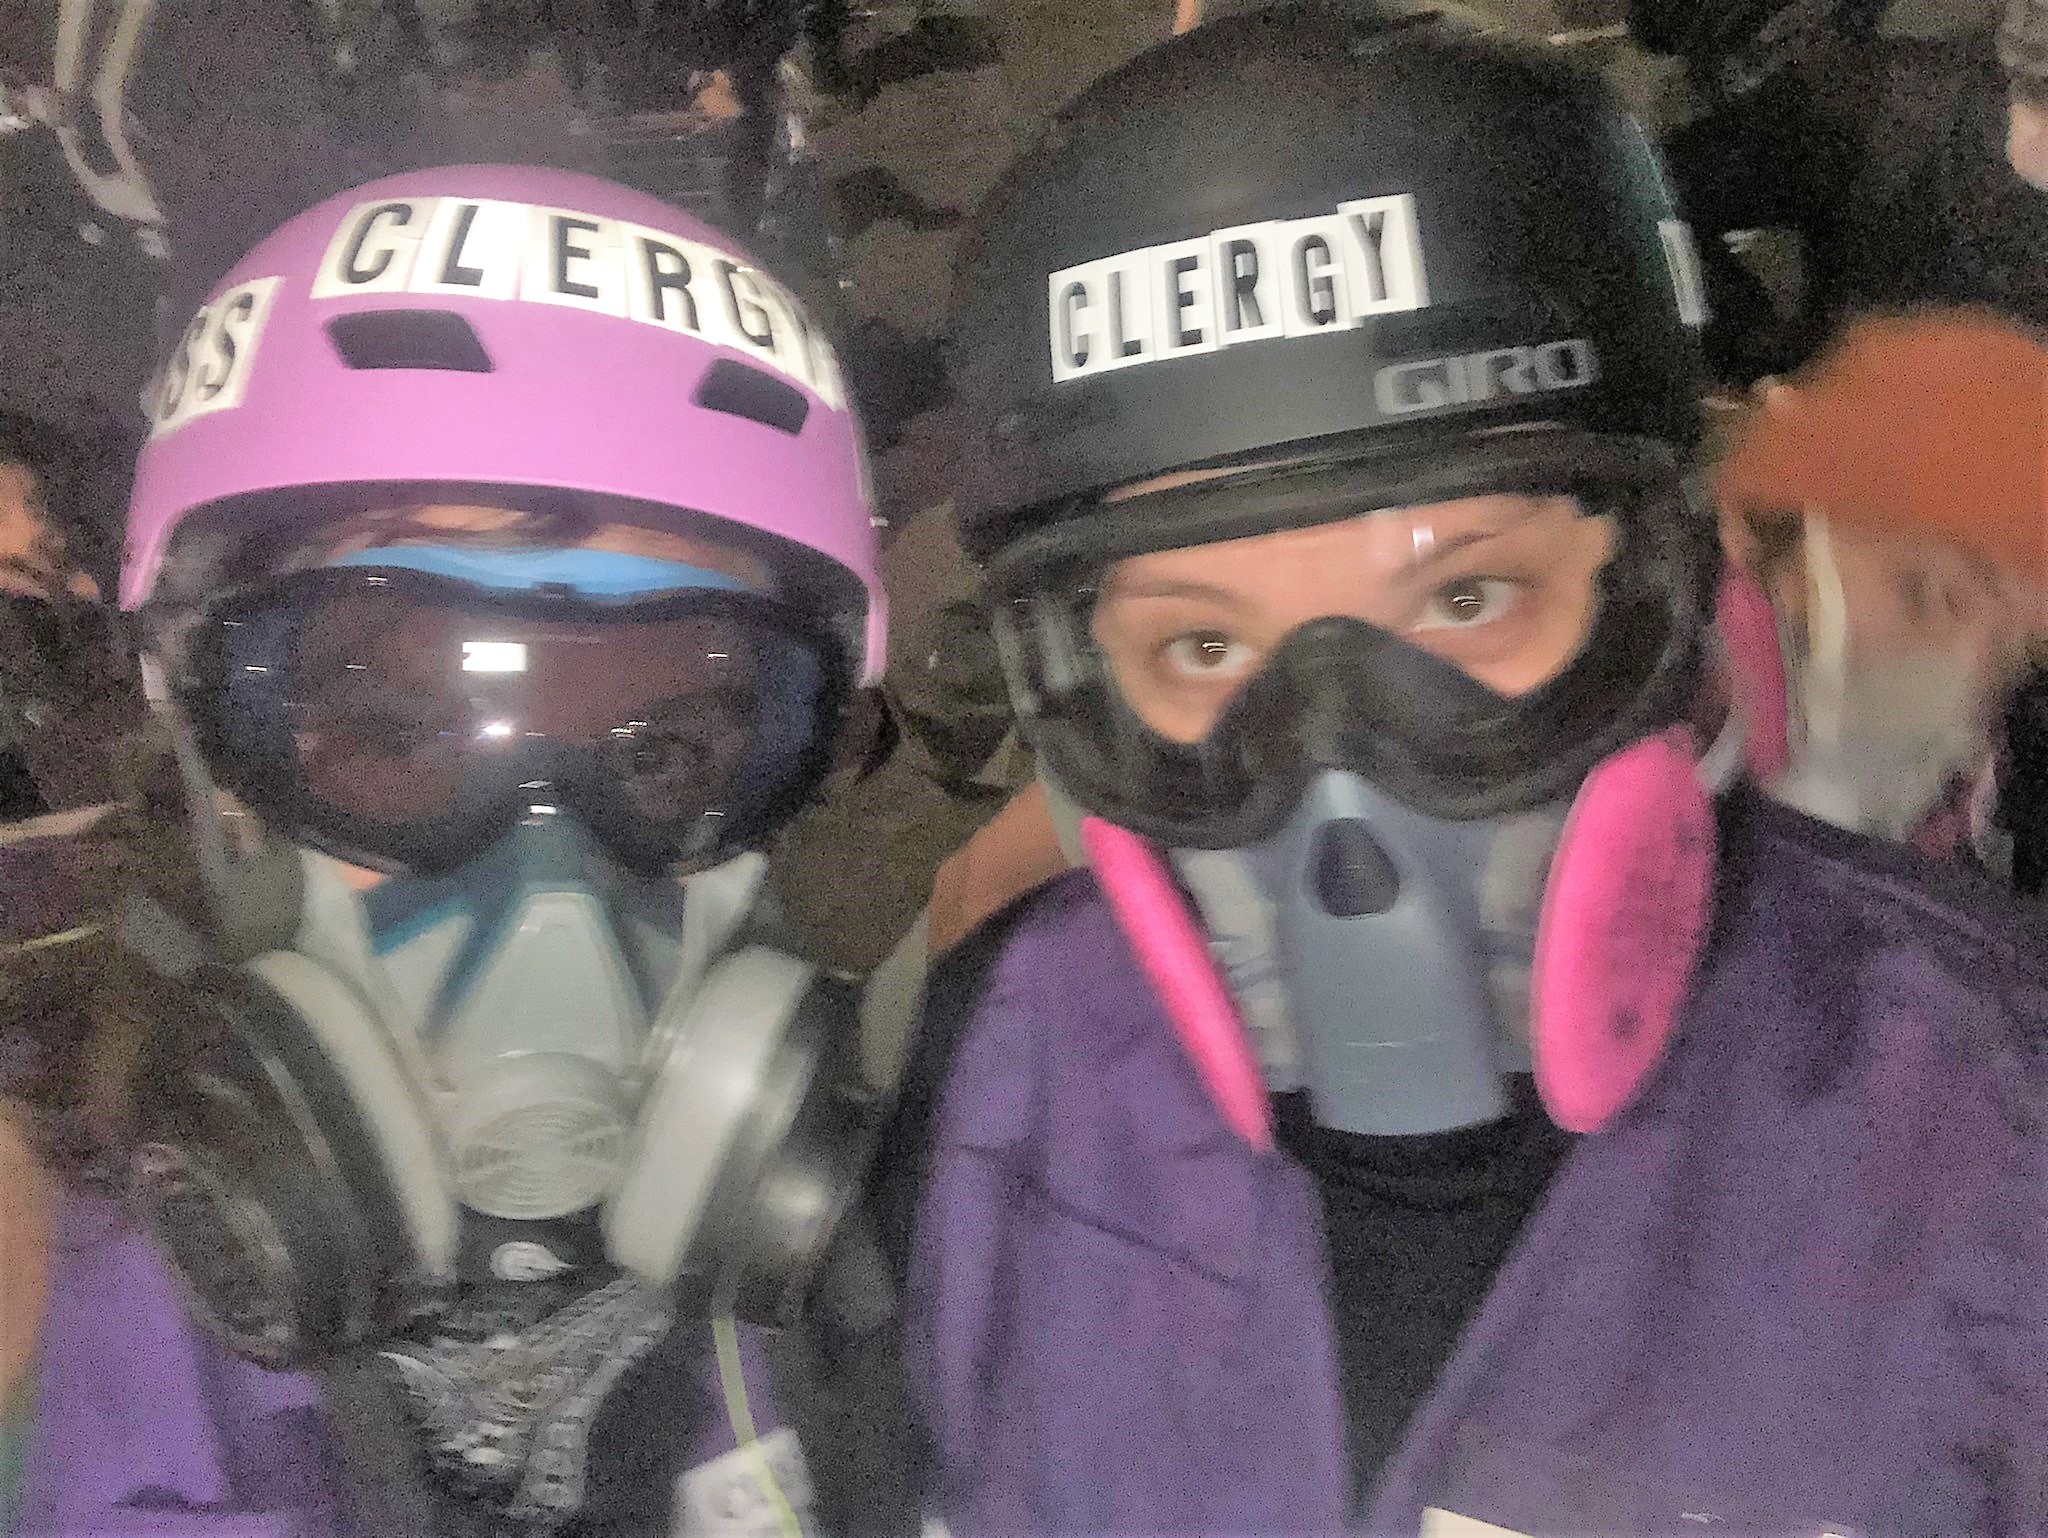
[(1772, 126), (142, 149), (1910, 169), (67, 698), (2023, 53), (1890, 498), (92, 1316)]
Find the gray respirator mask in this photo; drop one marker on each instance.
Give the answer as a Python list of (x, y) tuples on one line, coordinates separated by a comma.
[(1381, 956), (536, 1064)]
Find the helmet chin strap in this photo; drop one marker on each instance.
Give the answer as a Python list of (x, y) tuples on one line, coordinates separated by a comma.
[(1067, 816), (1726, 756), (1827, 634), (254, 897)]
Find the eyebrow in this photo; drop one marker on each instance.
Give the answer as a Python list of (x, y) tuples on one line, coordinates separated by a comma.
[(1169, 587), (1182, 587), (1440, 551)]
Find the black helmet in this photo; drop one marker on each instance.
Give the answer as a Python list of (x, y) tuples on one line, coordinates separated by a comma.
[(1440, 208), (1361, 263)]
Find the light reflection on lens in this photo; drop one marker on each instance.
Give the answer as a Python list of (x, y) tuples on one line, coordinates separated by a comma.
[(493, 657)]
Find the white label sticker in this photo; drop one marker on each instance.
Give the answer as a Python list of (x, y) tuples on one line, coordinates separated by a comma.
[(1228, 287), (373, 251), (1186, 297), (1312, 277), (471, 246), (559, 256), (1383, 256), (577, 260), (1683, 258), (1248, 283), (750, 1492), (209, 369), (1437, 1523)]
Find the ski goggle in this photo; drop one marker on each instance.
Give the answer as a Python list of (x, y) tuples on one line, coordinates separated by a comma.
[(1167, 697), (402, 719)]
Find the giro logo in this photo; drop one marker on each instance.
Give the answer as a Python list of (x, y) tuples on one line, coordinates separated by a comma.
[(484, 249), (1471, 379), (1282, 279)]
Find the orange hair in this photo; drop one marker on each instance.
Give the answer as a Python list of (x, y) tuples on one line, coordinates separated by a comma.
[(1934, 423)]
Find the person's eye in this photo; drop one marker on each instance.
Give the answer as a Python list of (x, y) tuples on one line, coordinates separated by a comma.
[(1467, 602), (1940, 598), (1206, 655), (402, 725)]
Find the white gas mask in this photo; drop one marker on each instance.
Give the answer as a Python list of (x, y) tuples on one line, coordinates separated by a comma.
[(537, 1047), (1878, 741)]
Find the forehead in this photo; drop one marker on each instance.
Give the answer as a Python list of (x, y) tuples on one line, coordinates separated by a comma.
[(488, 526), (1383, 541)]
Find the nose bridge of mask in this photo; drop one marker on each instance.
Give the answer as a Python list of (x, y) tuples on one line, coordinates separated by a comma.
[(548, 977), (1240, 913), (1337, 679), (544, 886), (1367, 887), (532, 1017)]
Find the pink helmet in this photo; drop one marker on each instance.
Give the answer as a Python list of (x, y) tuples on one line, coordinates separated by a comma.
[(507, 327)]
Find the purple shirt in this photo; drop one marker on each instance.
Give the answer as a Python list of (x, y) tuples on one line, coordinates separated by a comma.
[(144, 1425), (146, 1428), (1800, 1287)]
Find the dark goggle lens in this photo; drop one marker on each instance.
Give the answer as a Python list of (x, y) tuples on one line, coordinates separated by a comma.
[(395, 716)]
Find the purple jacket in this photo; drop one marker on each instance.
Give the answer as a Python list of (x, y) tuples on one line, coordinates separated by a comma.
[(1800, 1288), (145, 1428)]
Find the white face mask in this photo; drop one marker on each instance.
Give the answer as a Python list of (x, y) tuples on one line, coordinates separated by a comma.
[(538, 983), (347, 1130), (1879, 740)]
